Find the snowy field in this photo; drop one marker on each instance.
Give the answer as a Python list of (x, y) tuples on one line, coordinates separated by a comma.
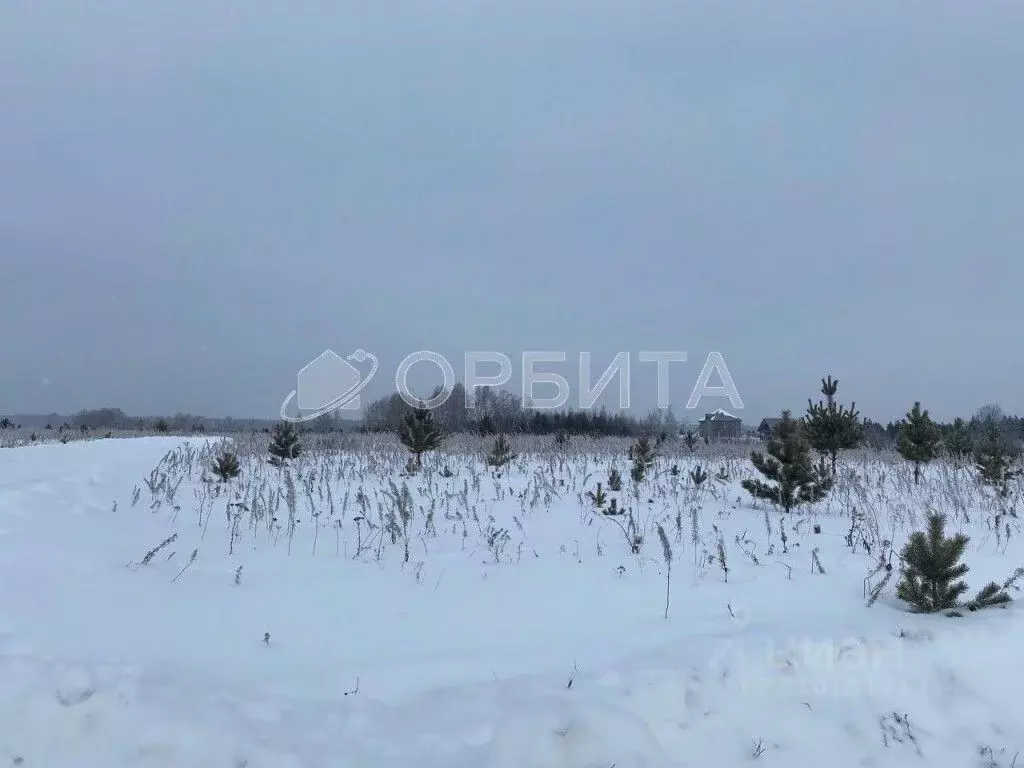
[(340, 614)]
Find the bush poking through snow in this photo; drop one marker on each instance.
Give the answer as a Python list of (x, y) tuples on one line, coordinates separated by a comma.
[(666, 553), (759, 749), (192, 559), (932, 574), (156, 550)]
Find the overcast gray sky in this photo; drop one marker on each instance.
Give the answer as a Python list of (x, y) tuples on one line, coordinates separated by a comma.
[(197, 198)]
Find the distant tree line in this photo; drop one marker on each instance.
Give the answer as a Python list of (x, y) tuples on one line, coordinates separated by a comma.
[(115, 418), (959, 437), (832, 427), (498, 411)]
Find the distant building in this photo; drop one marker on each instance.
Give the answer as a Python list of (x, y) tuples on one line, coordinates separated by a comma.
[(767, 427), (720, 424)]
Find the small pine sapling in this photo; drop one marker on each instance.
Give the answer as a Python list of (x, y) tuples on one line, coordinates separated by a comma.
[(643, 455), (790, 479), (598, 497), (501, 453), (932, 579), (284, 444), (831, 427), (931, 569), (918, 440), (226, 467), (420, 433)]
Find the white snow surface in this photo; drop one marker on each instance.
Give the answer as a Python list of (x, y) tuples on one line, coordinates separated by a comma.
[(462, 657)]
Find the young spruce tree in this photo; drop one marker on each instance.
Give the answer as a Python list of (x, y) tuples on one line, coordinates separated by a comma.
[(830, 427), (792, 479), (501, 453), (643, 455), (284, 444), (918, 439), (226, 466), (420, 433)]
